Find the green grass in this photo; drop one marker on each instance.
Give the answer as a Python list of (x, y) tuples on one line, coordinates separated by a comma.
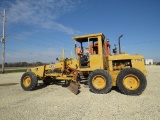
[(13, 71)]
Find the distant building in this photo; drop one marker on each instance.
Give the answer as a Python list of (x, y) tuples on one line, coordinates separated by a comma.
[(149, 61)]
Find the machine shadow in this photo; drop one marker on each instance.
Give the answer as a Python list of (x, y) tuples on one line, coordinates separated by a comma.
[(41, 86), (115, 88), (82, 82), (85, 83)]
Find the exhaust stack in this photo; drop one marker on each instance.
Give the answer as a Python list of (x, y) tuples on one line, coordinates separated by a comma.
[(119, 43)]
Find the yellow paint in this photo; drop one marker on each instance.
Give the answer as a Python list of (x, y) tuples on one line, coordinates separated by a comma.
[(137, 61), (113, 64), (114, 75), (39, 71), (95, 62), (99, 82), (27, 81), (131, 82)]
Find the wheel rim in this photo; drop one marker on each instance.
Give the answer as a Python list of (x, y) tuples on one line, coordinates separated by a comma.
[(99, 82), (131, 82), (27, 81)]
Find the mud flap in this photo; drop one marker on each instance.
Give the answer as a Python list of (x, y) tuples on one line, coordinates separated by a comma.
[(73, 87)]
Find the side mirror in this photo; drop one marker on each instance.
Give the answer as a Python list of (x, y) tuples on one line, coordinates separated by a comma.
[(57, 59), (114, 50)]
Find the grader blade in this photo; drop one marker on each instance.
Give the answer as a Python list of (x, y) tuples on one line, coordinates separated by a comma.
[(73, 88)]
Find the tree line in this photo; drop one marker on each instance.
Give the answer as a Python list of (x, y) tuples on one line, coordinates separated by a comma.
[(26, 64), (23, 64)]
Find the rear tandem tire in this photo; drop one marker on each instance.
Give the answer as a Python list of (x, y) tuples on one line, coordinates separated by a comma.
[(100, 81), (29, 81), (131, 81)]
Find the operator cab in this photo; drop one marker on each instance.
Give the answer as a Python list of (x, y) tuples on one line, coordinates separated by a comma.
[(90, 50)]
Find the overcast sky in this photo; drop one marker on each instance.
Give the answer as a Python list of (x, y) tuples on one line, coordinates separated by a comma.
[(37, 30)]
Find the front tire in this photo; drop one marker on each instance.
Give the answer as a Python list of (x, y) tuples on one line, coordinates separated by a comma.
[(100, 81), (29, 81), (131, 81)]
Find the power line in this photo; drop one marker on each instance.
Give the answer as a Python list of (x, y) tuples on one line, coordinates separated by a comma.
[(35, 43), (143, 42), (38, 44), (27, 52)]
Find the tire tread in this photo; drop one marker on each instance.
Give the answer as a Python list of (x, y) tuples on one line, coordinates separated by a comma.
[(139, 74)]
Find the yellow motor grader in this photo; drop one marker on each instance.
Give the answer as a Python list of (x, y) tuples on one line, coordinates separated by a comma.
[(96, 64)]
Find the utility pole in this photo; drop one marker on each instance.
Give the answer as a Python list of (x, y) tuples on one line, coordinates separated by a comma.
[(3, 42)]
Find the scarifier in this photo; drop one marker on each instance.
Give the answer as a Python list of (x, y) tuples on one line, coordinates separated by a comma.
[(94, 63)]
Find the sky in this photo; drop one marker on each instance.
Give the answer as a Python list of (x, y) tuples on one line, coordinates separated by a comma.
[(38, 30)]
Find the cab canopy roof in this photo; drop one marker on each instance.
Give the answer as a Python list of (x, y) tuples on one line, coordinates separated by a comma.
[(84, 38)]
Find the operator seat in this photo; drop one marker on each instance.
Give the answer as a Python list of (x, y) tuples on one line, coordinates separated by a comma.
[(83, 58)]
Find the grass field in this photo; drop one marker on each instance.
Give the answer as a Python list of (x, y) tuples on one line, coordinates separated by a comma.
[(13, 70)]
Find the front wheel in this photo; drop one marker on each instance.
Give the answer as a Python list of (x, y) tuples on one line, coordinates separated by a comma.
[(131, 81), (29, 81), (100, 81)]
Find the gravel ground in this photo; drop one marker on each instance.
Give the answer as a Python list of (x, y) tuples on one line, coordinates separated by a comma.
[(57, 102)]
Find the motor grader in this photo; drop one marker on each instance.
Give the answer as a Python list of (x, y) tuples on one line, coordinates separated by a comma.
[(94, 62)]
